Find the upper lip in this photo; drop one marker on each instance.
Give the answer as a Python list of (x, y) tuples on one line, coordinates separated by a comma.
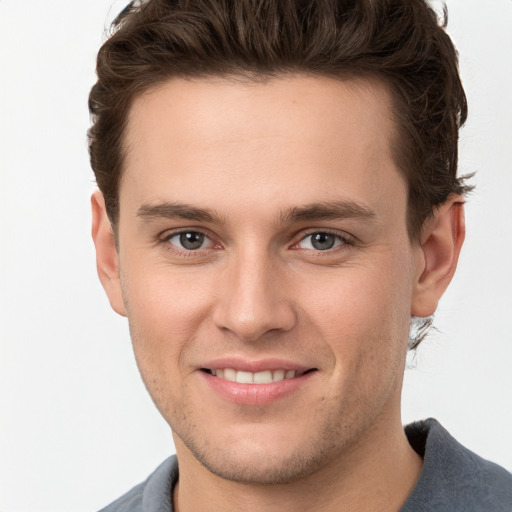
[(254, 366)]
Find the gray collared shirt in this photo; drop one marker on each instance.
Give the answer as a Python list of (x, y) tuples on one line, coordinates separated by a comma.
[(453, 479)]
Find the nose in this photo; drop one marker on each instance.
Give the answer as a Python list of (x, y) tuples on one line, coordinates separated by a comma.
[(254, 300)]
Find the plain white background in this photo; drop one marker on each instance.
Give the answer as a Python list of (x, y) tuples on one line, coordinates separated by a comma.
[(77, 428)]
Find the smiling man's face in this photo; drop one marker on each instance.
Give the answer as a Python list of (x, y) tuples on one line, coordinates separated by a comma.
[(266, 270)]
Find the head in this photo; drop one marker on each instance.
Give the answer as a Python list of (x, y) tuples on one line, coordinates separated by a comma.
[(278, 193), (400, 44)]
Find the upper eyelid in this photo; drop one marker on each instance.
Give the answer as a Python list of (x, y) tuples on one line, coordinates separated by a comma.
[(169, 233), (298, 237), (342, 235), (348, 241), (165, 237)]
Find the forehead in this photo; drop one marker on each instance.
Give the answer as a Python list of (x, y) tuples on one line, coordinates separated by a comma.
[(201, 140)]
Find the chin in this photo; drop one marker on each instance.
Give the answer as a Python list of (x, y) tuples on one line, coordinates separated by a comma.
[(261, 468), (263, 456)]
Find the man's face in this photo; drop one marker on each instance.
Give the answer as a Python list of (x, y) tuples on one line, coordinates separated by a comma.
[(262, 236)]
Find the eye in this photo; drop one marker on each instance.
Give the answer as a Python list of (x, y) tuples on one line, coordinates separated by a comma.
[(321, 241), (190, 240)]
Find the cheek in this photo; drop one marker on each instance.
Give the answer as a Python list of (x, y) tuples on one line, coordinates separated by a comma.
[(364, 321), (363, 311), (165, 312), (164, 302)]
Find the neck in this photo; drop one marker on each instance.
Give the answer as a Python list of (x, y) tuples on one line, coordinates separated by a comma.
[(376, 473)]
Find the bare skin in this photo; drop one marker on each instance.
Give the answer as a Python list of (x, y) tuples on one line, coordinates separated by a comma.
[(263, 227)]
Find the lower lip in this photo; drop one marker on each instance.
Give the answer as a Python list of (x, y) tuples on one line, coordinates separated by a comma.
[(255, 394)]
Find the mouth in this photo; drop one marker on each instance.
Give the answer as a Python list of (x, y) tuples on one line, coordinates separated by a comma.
[(256, 383), (261, 377)]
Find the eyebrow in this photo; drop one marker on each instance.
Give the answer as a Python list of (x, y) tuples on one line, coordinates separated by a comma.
[(329, 210), (176, 210)]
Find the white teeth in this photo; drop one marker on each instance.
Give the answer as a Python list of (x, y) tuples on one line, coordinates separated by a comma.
[(278, 375), (264, 377), (230, 374), (244, 377)]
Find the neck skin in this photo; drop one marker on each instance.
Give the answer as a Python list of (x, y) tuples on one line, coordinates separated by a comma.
[(378, 473)]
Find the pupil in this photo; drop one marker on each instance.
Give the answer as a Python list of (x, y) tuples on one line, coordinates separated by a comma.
[(323, 241), (191, 240)]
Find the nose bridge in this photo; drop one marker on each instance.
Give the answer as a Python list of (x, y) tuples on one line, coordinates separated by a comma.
[(253, 299)]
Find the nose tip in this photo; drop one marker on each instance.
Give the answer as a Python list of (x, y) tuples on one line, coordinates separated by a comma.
[(255, 325), (254, 303)]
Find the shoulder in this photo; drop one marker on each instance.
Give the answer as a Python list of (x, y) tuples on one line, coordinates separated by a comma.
[(155, 493), (454, 478)]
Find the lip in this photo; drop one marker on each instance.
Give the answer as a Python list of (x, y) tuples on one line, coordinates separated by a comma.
[(255, 394), (255, 366)]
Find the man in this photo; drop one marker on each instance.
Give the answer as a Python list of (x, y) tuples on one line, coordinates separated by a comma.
[(278, 197)]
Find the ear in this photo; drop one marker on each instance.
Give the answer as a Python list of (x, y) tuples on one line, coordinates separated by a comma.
[(438, 254), (107, 258)]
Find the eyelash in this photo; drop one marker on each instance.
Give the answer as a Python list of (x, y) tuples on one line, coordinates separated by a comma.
[(345, 239), (186, 252)]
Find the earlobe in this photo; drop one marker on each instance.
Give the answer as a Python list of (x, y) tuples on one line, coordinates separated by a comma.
[(107, 258), (441, 242)]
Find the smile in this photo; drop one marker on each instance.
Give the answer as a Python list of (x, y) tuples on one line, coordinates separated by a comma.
[(268, 381), (263, 377)]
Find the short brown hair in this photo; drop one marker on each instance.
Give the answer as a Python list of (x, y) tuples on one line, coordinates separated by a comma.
[(400, 42)]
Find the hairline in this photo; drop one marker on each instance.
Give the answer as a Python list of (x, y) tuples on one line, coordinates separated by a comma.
[(249, 77)]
